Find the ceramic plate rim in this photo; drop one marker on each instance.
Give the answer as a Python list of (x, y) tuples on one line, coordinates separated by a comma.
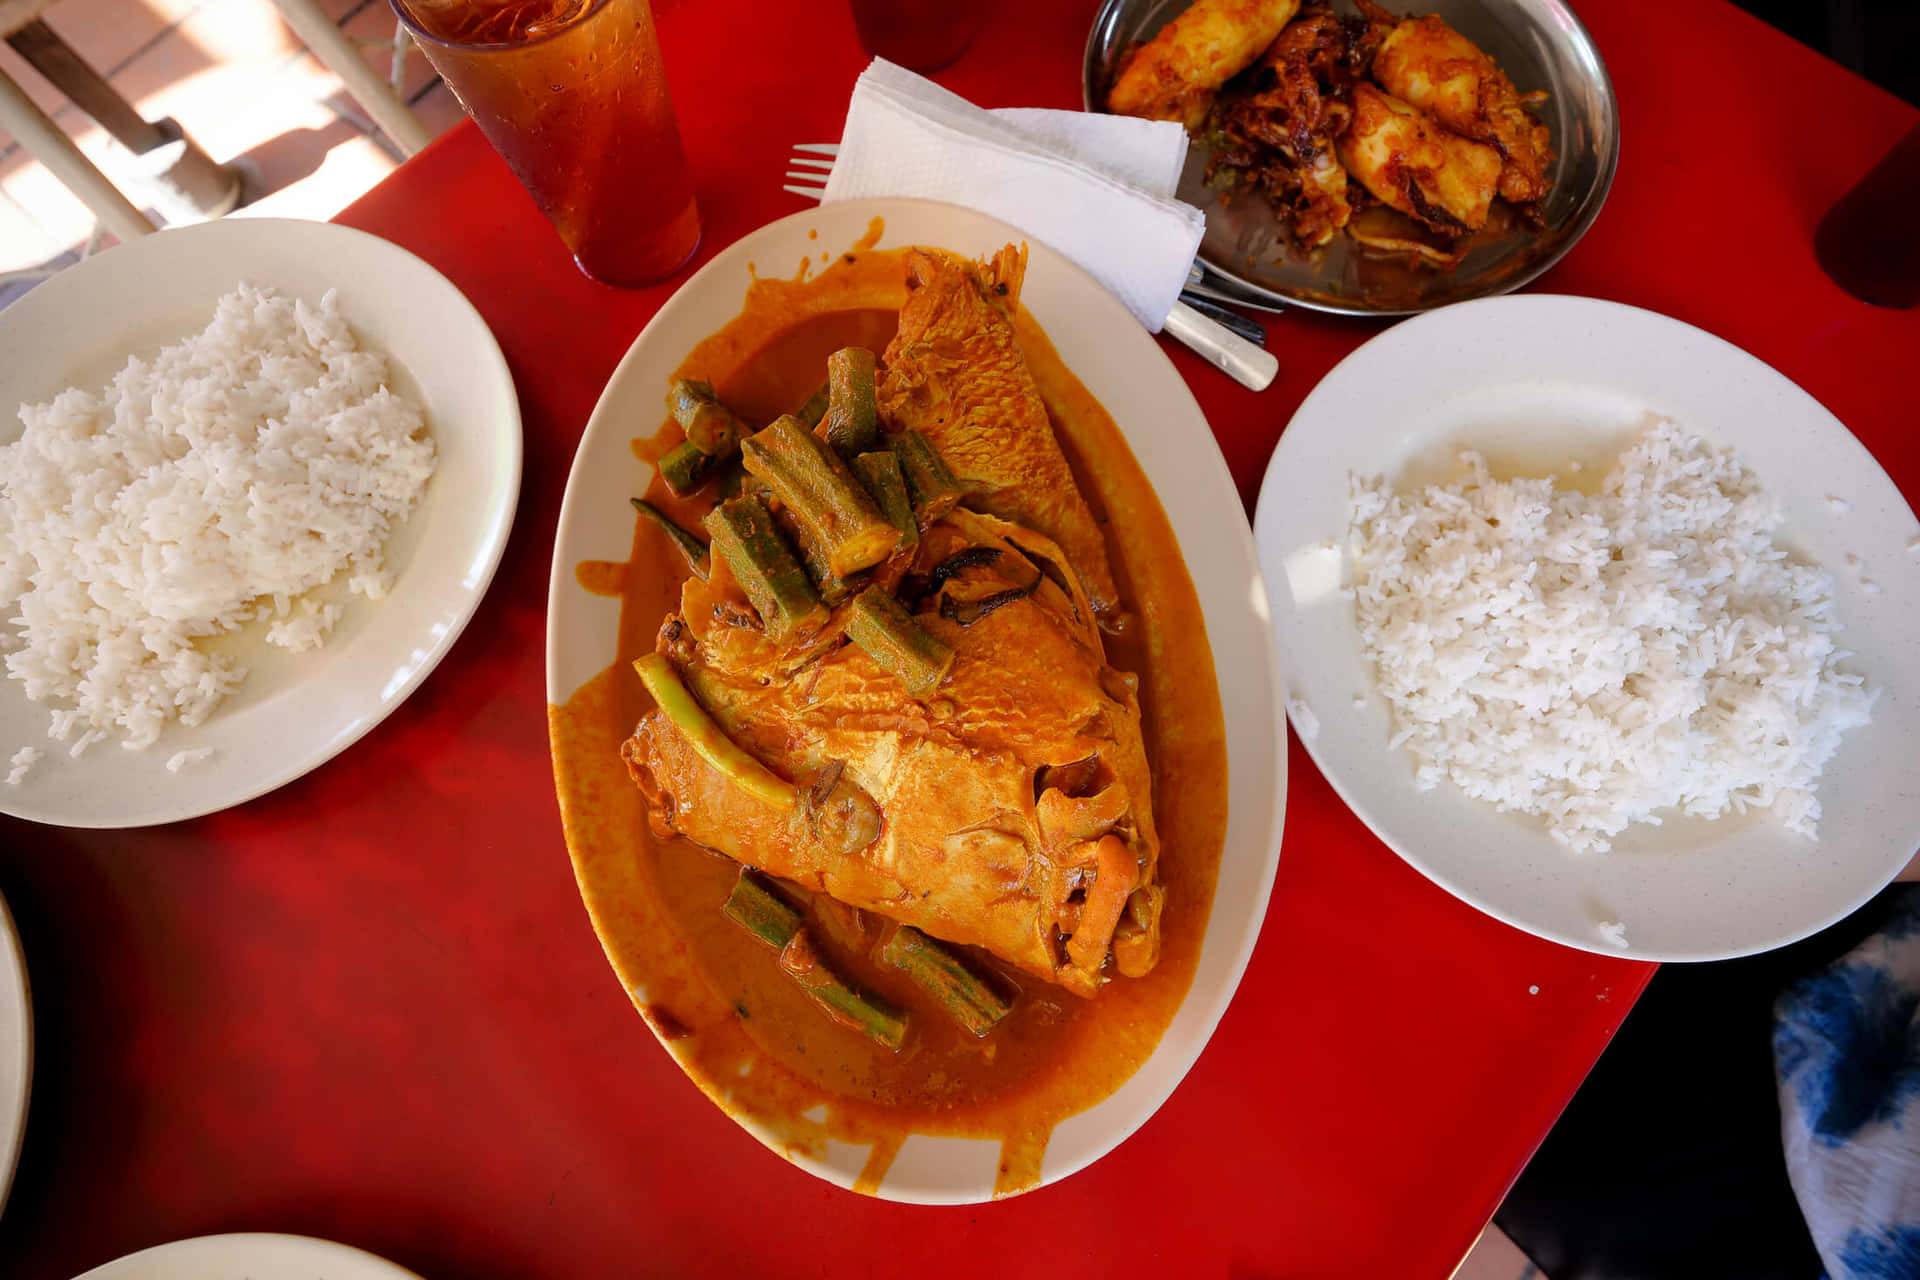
[(16, 1041), (1716, 368), (385, 288), (249, 1255), (908, 222)]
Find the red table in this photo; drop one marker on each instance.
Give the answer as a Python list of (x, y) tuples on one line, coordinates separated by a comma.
[(369, 1006)]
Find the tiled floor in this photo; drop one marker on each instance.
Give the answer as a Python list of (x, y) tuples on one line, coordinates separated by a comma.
[(1497, 1258), (239, 83)]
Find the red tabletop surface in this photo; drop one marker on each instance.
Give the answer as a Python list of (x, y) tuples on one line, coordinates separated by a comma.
[(369, 1006)]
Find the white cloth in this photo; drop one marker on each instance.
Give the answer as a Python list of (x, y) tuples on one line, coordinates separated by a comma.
[(1097, 188)]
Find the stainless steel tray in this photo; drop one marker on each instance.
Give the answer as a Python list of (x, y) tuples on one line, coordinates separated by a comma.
[(1538, 43)]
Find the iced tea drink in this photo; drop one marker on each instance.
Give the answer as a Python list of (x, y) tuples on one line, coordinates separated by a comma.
[(572, 95)]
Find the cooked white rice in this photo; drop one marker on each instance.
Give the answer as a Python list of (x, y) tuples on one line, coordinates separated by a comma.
[(1597, 659), (186, 759), (20, 764), (215, 482)]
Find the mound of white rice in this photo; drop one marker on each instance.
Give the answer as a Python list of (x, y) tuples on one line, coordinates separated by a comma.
[(1596, 659), (211, 484)]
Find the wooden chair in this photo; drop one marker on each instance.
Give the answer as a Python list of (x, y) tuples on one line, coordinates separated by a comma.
[(184, 174)]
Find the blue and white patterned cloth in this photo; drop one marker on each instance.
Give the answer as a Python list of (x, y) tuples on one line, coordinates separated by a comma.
[(1846, 1050)]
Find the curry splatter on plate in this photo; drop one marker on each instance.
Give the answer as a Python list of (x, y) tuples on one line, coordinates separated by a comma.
[(946, 1118)]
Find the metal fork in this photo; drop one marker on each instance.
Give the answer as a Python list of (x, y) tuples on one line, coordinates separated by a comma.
[(1207, 290), (1218, 336)]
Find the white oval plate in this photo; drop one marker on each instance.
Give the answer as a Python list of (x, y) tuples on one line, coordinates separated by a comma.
[(16, 1049), (252, 1255), (295, 711), (1535, 382), (1127, 371)]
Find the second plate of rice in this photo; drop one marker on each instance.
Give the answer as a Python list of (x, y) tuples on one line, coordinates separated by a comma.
[(255, 476), (1602, 624)]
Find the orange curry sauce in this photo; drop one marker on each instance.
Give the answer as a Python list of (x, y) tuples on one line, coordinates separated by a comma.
[(712, 993)]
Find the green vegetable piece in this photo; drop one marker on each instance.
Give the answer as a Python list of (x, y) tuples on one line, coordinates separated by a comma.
[(973, 1002), (711, 427), (897, 643), (691, 547), (833, 588), (742, 531), (816, 487), (685, 468), (935, 489), (706, 738), (853, 422), (814, 409), (880, 473), (755, 907), (871, 1017)]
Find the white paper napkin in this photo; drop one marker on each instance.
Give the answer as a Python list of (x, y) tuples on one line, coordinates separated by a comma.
[(1097, 188)]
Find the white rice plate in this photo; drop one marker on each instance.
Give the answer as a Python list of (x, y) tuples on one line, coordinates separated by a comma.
[(1597, 659), (222, 480)]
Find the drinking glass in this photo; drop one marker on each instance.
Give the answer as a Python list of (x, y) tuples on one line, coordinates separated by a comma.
[(920, 35), (572, 95)]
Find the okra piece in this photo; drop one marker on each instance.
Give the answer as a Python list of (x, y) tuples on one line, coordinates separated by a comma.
[(730, 477), (686, 397), (871, 1017), (711, 427), (735, 481), (691, 547), (707, 739), (755, 907), (833, 588), (814, 485), (936, 970), (897, 643), (742, 531), (880, 473), (935, 489), (685, 468), (814, 409), (853, 422)]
